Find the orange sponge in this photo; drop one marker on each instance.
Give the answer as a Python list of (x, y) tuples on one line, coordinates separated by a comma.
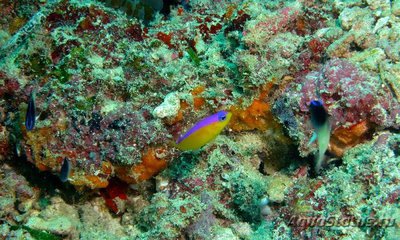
[(344, 138), (256, 116), (150, 166)]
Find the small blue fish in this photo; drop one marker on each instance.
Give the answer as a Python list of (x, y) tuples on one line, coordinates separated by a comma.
[(321, 125), (30, 113), (65, 170)]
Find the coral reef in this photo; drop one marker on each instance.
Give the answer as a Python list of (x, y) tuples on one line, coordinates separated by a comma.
[(117, 82), (355, 101), (369, 191)]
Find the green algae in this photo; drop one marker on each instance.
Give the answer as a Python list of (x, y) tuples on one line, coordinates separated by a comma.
[(38, 64), (44, 202), (85, 104), (247, 190), (78, 53), (193, 55), (61, 74), (37, 234), (165, 218), (183, 166), (156, 43), (136, 63), (233, 180), (263, 231)]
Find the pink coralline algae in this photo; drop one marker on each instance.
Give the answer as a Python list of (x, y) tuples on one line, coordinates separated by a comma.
[(285, 20), (350, 96), (286, 16)]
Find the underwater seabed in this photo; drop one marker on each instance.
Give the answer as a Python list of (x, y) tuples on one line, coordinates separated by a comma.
[(194, 119)]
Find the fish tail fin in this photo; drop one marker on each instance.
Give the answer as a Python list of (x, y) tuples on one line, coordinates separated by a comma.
[(323, 134), (319, 159)]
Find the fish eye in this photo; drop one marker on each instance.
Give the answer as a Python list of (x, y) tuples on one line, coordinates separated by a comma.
[(222, 117)]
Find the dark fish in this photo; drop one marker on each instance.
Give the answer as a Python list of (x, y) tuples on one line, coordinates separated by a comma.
[(320, 122), (65, 170), (30, 113), (319, 116)]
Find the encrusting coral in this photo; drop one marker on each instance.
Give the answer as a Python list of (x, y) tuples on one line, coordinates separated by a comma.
[(116, 83)]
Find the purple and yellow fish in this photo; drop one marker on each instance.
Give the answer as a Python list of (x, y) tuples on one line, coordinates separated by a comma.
[(204, 131)]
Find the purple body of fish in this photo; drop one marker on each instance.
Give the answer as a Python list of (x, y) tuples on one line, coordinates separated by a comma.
[(219, 116)]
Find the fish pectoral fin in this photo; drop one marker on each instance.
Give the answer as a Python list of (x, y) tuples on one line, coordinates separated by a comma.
[(173, 144), (313, 138), (38, 116)]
